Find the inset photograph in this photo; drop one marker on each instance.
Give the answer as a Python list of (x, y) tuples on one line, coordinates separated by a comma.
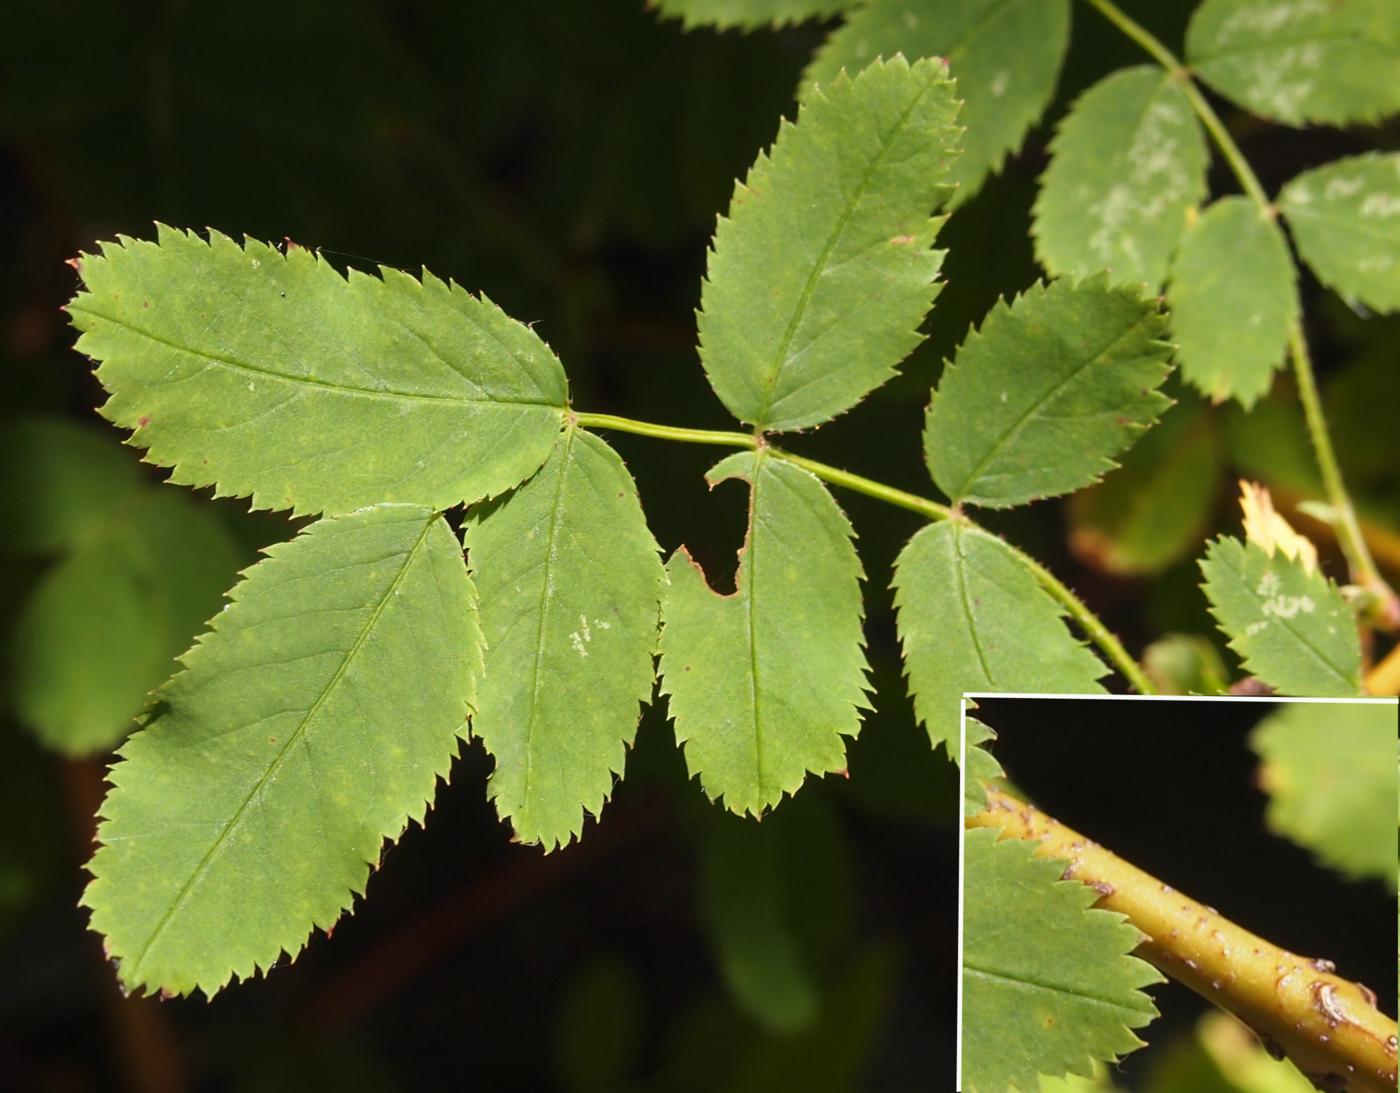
[(1178, 895)]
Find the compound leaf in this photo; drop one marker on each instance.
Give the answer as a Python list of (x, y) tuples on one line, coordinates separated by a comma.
[(570, 584), (1005, 57), (1289, 623), (271, 376), (1313, 61), (1127, 167), (1053, 386), (972, 617), (1048, 982), (747, 14), (102, 628), (1155, 509), (1233, 294), (309, 725), (1329, 771), (765, 681), (822, 271), (1345, 218)]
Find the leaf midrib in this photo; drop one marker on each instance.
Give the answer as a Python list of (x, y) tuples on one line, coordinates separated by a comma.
[(1021, 981), (292, 738), (308, 381), (779, 358)]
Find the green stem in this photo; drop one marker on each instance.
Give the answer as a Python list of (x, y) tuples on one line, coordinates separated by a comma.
[(1088, 621), (1349, 537)]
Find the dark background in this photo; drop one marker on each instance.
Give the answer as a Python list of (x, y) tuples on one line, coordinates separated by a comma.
[(1172, 788), (569, 159)]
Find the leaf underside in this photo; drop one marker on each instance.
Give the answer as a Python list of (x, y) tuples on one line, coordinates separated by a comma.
[(1329, 771), (822, 271), (1048, 983), (570, 582), (1127, 165), (972, 617), (1233, 295), (1005, 57), (1293, 628), (765, 682), (1039, 401), (1345, 218), (310, 725), (274, 377), (1312, 62)]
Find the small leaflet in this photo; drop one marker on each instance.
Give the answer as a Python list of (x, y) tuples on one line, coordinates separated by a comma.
[(1233, 296), (272, 376), (311, 724), (972, 617), (1005, 57), (1039, 400), (747, 14), (1127, 169), (570, 582), (1345, 218), (765, 682), (823, 268), (1301, 61), (1291, 626)]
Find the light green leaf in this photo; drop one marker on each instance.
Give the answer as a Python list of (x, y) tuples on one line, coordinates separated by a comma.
[(271, 376), (1186, 664), (1048, 985), (1233, 294), (1293, 628), (60, 480), (1053, 386), (102, 628), (570, 585), (1329, 771), (1004, 54), (822, 271), (1155, 509), (1300, 61), (310, 725), (972, 617), (765, 681), (1345, 218), (981, 765), (1127, 166), (747, 14)]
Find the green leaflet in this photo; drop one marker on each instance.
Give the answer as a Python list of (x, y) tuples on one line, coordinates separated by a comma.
[(764, 682), (1293, 628), (1053, 386), (972, 617), (1048, 985), (310, 725), (776, 901), (274, 377), (1154, 510), (102, 628), (1186, 664), (747, 14), (1308, 61), (1329, 771), (1233, 295), (1004, 54), (980, 765), (1127, 166), (821, 273), (1345, 218), (570, 584), (59, 483)]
